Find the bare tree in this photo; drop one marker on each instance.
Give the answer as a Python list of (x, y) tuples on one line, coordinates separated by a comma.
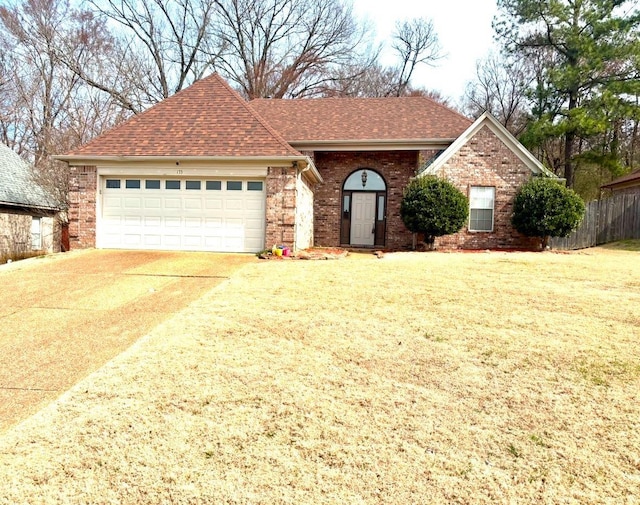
[(285, 48), (370, 79), (41, 89), (163, 46), (47, 109), (416, 42), (501, 88)]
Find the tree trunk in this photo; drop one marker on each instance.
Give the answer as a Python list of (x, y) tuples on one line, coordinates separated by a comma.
[(569, 143), (430, 242), (544, 242)]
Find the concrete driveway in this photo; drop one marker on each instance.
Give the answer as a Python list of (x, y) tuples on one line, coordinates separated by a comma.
[(64, 316)]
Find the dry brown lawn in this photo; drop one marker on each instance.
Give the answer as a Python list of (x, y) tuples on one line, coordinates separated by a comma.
[(416, 378)]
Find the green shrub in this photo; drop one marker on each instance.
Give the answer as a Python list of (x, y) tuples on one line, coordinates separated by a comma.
[(544, 208), (434, 207)]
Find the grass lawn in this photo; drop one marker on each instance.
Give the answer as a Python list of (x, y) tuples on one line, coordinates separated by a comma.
[(415, 378)]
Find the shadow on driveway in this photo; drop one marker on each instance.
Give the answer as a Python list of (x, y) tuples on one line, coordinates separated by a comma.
[(64, 316)]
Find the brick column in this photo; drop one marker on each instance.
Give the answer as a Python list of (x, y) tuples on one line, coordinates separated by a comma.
[(82, 206), (281, 206)]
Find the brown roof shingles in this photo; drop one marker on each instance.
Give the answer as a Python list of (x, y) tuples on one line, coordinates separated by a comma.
[(206, 119), (361, 119), (624, 180)]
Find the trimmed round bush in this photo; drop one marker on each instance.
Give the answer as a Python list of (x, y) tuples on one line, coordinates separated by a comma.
[(545, 208), (434, 207)]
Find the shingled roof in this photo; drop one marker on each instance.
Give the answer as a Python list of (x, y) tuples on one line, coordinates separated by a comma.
[(17, 187), (207, 119), (361, 119), (626, 180)]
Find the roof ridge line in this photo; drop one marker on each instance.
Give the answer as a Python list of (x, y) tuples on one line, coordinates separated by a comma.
[(254, 113)]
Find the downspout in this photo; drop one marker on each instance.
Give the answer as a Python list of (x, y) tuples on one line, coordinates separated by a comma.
[(299, 172)]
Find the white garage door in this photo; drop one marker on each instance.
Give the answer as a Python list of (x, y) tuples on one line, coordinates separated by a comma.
[(182, 214)]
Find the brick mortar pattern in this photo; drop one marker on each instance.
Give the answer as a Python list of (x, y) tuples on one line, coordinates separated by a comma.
[(82, 206), (281, 206), (486, 161), (395, 167)]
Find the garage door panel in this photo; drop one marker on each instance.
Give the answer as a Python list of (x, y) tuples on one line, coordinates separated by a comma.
[(254, 204), (193, 222), (213, 223), (254, 224), (193, 241), (172, 241), (234, 223), (152, 203), (209, 219), (234, 204), (132, 239), (111, 203), (133, 202), (172, 222), (213, 243), (213, 203), (172, 203), (193, 204), (134, 221)]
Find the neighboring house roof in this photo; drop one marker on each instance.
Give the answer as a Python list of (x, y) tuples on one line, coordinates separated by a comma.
[(404, 121), (502, 133), (207, 119), (17, 186), (632, 179)]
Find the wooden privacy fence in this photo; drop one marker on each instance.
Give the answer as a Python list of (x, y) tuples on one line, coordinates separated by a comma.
[(608, 220)]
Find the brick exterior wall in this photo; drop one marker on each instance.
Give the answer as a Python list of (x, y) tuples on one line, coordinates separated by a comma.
[(83, 183), (292, 205), (485, 161), (289, 209), (281, 206), (396, 168)]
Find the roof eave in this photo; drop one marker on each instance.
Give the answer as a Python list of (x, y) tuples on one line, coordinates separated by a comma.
[(371, 144), (28, 206), (87, 159), (302, 162), (622, 185)]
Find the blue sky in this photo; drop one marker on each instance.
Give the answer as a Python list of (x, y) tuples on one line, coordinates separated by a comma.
[(463, 27)]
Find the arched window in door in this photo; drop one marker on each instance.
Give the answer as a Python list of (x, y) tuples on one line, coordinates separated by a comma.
[(364, 202)]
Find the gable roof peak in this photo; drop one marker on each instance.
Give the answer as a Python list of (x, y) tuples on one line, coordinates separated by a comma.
[(486, 119), (206, 119)]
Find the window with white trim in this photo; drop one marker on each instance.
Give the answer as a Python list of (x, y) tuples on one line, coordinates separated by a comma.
[(481, 206)]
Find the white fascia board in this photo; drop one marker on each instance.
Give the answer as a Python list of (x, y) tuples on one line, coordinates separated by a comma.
[(486, 119), (182, 170), (191, 166), (371, 145)]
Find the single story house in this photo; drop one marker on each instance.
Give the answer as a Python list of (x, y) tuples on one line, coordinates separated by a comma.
[(627, 184), (207, 170), (28, 213)]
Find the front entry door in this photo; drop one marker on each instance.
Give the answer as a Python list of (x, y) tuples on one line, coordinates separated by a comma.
[(363, 217)]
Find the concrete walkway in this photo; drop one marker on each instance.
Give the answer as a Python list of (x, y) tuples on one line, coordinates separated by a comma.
[(64, 316)]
